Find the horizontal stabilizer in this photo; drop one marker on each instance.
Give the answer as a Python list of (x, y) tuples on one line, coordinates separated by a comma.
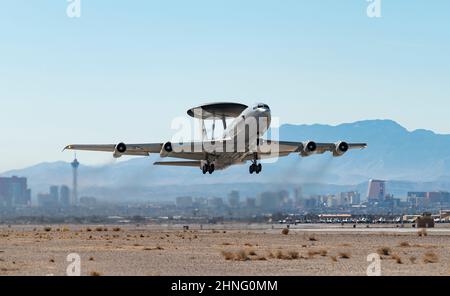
[(179, 163)]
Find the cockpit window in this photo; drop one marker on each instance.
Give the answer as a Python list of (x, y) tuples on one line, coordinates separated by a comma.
[(261, 106)]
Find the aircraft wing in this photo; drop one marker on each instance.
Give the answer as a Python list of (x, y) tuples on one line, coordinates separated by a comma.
[(284, 148), (131, 149), (179, 163), (191, 150)]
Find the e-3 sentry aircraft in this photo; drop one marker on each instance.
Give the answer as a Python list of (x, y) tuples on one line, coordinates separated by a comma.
[(242, 141)]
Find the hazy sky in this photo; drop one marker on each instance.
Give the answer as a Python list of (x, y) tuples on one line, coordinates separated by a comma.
[(124, 69)]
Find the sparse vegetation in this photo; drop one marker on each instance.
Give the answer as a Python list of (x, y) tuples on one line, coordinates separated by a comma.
[(242, 256), (397, 259), (294, 254), (333, 258), (228, 255), (323, 253), (413, 259), (99, 229), (405, 245), (384, 251), (95, 273), (158, 248), (312, 238), (116, 229), (285, 231), (430, 257), (312, 253), (344, 255)]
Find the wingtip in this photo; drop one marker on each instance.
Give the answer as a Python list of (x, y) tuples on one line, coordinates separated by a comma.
[(68, 147)]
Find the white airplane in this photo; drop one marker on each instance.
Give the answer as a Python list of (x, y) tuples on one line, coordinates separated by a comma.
[(241, 141)]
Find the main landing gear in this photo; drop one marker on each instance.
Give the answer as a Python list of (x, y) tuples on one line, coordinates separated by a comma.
[(208, 168), (255, 168)]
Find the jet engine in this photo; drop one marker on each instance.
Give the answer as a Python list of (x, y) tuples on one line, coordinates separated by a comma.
[(119, 150), (309, 148), (340, 149), (166, 149)]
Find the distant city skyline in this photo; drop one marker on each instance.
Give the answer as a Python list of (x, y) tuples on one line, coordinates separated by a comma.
[(123, 71)]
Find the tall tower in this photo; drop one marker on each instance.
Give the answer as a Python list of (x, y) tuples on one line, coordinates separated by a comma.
[(75, 164)]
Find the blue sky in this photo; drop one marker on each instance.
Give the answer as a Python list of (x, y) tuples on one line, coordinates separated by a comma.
[(126, 68)]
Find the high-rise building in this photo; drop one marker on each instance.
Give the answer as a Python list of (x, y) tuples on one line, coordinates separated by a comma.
[(349, 198), (75, 164), (14, 192), (184, 202), (298, 197), (64, 196), (54, 193), (234, 199), (49, 200), (376, 191), (250, 202)]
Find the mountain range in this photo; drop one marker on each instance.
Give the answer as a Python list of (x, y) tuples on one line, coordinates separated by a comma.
[(417, 159)]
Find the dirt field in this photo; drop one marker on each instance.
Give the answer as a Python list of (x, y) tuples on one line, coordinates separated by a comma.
[(225, 250)]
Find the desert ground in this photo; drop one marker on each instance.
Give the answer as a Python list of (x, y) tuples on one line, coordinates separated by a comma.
[(229, 249)]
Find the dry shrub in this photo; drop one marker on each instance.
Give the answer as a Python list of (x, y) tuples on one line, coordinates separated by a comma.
[(413, 259), (312, 238), (251, 253), (228, 255), (95, 273), (158, 248), (323, 253), (312, 253), (344, 255), (422, 232), (91, 259), (241, 255), (405, 245), (99, 229), (226, 244), (333, 258), (397, 259), (88, 229), (116, 229), (285, 231), (294, 254), (384, 251), (430, 257), (47, 229), (248, 245), (261, 258)]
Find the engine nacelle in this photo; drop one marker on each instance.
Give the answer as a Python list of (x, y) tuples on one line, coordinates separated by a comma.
[(309, 148), (166, 149), (119, 150), (340, 149)]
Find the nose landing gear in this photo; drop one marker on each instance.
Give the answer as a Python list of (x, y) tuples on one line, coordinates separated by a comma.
[(255, 168)]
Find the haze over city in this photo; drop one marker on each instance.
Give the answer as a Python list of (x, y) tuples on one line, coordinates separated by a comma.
[(137, 66)]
